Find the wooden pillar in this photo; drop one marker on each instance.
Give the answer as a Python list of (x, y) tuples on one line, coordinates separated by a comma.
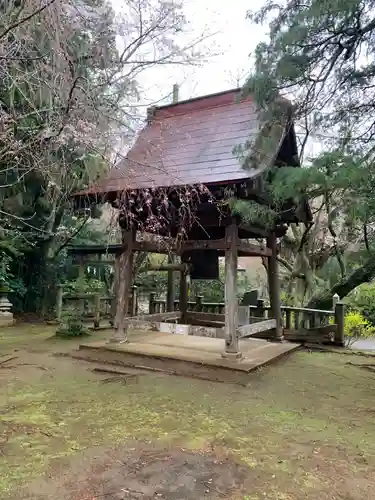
[(183, 295), (198, 303), (81, 267), (231, 301), (170, 287), (59, 302), (81, 277), (339, 339), (116, 278), (151, 304), (134, 301), (274, 286), (97, 304), (123, 287)]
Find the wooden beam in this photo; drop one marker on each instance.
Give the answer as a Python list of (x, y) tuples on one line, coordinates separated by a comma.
[(157, 317), (231, 301), (165, 247), (169, 267), (274, 286), (99, 262), (183, 295), (125, 264), (115, 288), (187, 246), (249, 250), (169, 246), (262, 232), (179, 247), (202, 316), (94, 249), (254, 328)]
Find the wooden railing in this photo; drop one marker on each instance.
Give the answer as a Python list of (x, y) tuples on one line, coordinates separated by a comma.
[(293, 318), (91, 306), (160, 305)]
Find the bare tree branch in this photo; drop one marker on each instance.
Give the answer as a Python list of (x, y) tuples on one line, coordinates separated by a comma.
[(26, 18)]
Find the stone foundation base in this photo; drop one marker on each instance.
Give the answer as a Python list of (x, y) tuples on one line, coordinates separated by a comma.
[(6, 319), (231, 355)]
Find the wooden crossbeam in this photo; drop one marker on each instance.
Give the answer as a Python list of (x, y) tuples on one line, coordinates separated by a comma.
[(167, 316), (250, 250), (169, 246), (203, 316), (254, 328), (244, 248), (151, 321), (169, 267)]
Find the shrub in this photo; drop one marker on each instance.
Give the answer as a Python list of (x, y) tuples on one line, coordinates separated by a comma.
[(363, 300), (357, 327), (83, 285), (71, 325)]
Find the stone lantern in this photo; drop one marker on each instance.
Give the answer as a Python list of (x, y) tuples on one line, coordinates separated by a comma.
[(6, 315)]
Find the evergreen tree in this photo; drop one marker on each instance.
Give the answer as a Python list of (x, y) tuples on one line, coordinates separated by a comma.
[(321, 55)]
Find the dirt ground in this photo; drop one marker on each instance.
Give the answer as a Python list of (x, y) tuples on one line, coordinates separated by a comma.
[(303, 429)]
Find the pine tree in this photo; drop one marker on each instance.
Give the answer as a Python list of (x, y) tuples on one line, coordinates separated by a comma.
[(321, 55)]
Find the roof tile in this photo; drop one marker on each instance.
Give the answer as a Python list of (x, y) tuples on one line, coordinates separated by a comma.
[(190, 142)]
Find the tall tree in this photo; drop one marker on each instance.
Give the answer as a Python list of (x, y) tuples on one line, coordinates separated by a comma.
[(321, 55), (68, 99)]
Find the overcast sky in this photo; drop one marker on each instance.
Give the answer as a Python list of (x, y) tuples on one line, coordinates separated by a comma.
[(228, 53), (228, 49), (234, 39)]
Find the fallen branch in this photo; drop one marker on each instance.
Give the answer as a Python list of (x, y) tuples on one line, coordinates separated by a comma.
[(369, 367), (114, 372), (10, 358)]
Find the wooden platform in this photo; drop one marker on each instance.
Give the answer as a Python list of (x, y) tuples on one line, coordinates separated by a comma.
[(187, 355)]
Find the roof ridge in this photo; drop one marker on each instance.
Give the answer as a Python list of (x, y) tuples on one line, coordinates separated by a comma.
[(207, 102), (199, 98), (187, 112)]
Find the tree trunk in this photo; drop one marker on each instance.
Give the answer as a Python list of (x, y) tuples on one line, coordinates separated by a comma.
[(363, 274)]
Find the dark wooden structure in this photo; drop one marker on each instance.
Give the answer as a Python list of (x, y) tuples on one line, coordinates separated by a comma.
[(299, 324), (175, 183)]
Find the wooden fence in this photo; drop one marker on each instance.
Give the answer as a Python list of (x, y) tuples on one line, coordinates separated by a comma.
[(298, 322), (91, 306)]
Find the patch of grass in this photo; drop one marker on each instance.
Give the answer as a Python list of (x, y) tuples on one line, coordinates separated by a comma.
[(304, 408)]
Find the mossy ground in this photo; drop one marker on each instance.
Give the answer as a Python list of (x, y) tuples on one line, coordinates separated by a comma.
[(303, 428)]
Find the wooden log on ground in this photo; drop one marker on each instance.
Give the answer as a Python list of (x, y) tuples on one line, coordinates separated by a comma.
[(114, 372)]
